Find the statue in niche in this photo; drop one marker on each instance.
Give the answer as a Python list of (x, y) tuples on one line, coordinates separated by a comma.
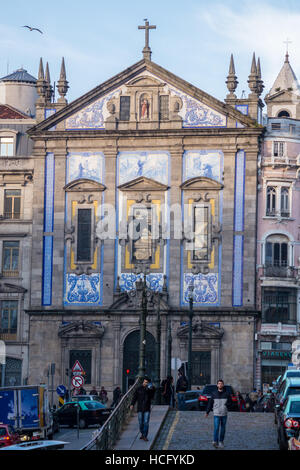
[(144, 109)]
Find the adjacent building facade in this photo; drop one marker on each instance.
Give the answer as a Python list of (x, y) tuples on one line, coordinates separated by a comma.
[(17, 114), (278, 252)]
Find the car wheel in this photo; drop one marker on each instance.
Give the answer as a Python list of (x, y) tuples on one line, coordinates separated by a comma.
[(82, 423)]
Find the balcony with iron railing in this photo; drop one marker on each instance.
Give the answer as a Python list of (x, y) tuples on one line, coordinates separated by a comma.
[(279, 271)]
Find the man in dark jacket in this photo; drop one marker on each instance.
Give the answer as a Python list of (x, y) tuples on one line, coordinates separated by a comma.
[(181, 388), (219, 401), (143, 396)]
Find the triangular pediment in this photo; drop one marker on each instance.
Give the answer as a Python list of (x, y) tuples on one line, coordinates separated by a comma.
[(197, 109), (6, 288), (81, 328), (201, 183), (84, 185), (143, 184), (200, 330), (282, 96)]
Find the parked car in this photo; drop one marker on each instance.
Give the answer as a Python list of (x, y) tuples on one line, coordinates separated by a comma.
[(288, 420), (37, 445), (8, 435), (90, 412), (206, 395), (289, 373), (86, 398), (290, 386), (191, 400)]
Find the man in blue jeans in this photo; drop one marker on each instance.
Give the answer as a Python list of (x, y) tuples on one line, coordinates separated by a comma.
[(143, 396), (219, 401)]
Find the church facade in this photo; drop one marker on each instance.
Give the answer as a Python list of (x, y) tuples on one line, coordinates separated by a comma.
[(145, 175)]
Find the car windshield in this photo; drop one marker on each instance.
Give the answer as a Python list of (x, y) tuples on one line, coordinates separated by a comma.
[(2, 432), (293, 373), (293, 391), (91, 405), (209, 388), (295, 407)]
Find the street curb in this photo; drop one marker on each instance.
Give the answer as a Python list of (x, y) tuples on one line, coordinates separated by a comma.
[(160, 427)]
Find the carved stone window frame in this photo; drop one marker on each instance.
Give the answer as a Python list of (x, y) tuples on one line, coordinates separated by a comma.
[(84, 193)]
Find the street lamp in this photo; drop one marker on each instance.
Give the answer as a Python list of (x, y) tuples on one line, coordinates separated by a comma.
[(191, 301), (143, 317), (157, 352)]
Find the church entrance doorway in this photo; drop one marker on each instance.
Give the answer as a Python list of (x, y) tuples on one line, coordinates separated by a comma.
[(131, 358)]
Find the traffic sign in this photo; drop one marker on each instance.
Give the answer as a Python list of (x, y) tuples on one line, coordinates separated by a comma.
[(77, 381), (61, 390), (77, 368)]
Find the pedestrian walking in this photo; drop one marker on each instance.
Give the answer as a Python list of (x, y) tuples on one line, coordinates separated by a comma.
[(181, 388), (103, 395), (143, 396), (116, 396), (253, 399), (218, 403), (247, 403), (168, 391), (94, 391), (241, 402)]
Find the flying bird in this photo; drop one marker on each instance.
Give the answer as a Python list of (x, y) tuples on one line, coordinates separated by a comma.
[(32, 29)]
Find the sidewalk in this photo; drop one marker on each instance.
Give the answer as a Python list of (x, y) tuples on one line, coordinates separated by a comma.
[(130, 437)]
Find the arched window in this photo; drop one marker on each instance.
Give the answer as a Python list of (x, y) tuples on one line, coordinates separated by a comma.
[(277, 256), (284, 203), (284, 114), (271, 201)]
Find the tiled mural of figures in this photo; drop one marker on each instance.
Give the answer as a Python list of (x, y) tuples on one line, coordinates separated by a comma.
[(132, 165), (196, 114), (85, 165), (206, 163), (92, 116), (153, 165)]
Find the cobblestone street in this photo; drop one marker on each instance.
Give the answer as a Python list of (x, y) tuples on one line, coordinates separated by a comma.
[(190, 430)]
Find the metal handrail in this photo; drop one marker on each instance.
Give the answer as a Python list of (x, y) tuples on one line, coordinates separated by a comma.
[(107, 436)]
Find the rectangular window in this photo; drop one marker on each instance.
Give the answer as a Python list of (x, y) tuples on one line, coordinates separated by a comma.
[(10, 267), (84, 232), (276, 125), (124, 108), (164, 107), (201, 233), (279, 306), (9, 315), (279, 149), (6, 146), (142, 235), (12, 203)]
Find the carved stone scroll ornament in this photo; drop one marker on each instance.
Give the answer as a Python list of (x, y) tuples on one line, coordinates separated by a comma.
[(69, 233)]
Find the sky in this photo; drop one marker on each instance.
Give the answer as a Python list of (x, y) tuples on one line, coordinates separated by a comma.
[(194, 39)]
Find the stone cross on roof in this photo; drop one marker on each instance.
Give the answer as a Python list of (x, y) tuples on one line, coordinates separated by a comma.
[(147, 51), (287, 42)]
